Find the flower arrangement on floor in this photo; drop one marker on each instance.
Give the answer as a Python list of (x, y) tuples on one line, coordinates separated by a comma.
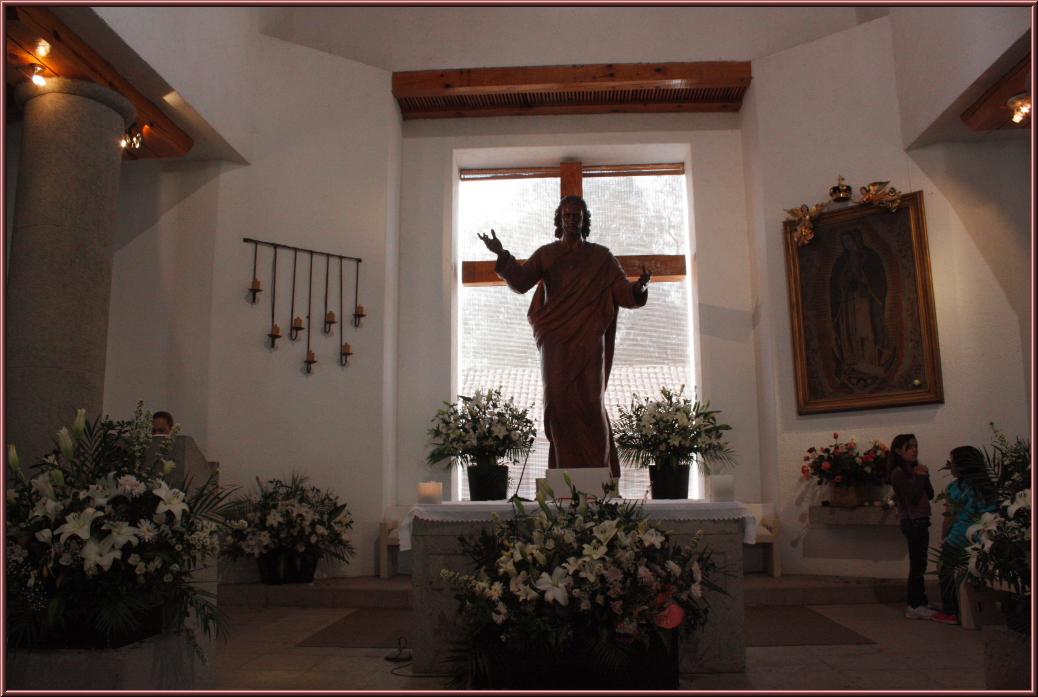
[(845, 464), (478, 431), (999, 549), (288, 527), (101, 547), (579, 594)]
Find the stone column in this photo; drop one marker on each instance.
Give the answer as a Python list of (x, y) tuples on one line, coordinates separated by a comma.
[(60, 271)]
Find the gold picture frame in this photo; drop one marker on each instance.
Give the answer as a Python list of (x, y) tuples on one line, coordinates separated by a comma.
[(862, 310)]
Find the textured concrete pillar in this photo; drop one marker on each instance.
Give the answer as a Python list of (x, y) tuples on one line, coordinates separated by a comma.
[(60, 271)]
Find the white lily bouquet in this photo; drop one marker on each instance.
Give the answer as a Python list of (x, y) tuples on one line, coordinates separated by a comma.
[(100, 546), (481, 429), (998, 547), (576, 594), (671, 430), (292, 516), (1000, 542)]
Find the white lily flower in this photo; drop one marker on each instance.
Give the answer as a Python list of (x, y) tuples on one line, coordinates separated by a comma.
[(987, 522), (47, 507), (605, 531), (652, 538), (1022, 500), (45, 535), (78, 524), (172, 500), (555, 586), (44, 485), (99, 554), (595, 550), (121, 533)]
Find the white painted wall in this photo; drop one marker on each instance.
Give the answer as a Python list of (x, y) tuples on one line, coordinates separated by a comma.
[(940, 51), (977, 228), (709, 143), (324, 148)]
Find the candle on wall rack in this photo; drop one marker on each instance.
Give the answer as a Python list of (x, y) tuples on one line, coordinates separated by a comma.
[(256, 286), (296, 324), (358, 312), (310, 358), (275, 330), (329, 315), (345, 353)]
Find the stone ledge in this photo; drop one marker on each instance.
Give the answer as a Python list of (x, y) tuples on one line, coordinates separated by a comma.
[(862, 515)]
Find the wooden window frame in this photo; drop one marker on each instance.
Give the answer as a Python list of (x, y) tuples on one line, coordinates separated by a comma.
[(665, 268)]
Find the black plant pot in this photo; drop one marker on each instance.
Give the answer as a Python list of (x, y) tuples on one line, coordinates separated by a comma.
[(287, 566), (488, 482), (535, 668), (669, 481)]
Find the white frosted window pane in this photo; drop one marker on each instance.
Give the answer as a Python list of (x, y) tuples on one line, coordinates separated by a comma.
[(630, 215), (638, 215)]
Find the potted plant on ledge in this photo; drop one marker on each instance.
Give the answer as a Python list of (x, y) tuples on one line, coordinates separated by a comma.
[(846, 468), (101, 551), (667, 435), (579, 594), (479, 431), (288, 527)]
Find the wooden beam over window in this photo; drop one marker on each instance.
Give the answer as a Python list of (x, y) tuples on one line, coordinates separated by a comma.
[(664, 267), (646, 170), (572, 89), (71, 57)]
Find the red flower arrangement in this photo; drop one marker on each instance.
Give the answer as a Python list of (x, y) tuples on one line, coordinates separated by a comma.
[(845, 464)]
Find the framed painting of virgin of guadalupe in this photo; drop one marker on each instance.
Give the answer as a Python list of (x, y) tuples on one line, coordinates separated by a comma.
[(862, 310)]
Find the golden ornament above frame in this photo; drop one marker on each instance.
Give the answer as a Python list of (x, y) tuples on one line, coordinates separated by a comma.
[(875, 194)]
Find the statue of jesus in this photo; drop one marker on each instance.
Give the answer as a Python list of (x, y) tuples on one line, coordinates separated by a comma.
[(580, 290)]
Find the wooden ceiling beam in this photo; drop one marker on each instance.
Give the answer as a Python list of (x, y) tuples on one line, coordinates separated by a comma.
[(991, 112), (554, 78), (70, 57), (573, 89)]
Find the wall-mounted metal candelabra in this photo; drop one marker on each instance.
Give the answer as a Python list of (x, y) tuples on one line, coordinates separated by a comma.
[(296, 323)]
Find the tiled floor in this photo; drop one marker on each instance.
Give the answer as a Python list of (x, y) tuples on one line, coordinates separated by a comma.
[(907, 655)]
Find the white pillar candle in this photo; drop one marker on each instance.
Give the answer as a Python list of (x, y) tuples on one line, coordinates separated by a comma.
[(430, 492)]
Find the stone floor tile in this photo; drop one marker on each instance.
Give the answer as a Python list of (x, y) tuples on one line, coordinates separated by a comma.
[(281, 661), (972, 679), (893, 679), (780, 657)]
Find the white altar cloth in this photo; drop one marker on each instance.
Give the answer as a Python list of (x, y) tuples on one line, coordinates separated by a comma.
[(664, 509)]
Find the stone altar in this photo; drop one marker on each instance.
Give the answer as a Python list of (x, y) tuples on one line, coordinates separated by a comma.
[(431, 531)]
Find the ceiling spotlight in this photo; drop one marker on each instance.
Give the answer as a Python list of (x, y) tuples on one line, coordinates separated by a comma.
[(42, 48), (1021, 106), (131, 139), (37, 75)]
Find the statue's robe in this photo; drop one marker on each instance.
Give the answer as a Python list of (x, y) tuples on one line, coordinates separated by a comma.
[(573, 314)]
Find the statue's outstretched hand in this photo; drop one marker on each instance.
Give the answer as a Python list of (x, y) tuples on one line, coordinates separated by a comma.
[(643, 280), (492, 243)]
